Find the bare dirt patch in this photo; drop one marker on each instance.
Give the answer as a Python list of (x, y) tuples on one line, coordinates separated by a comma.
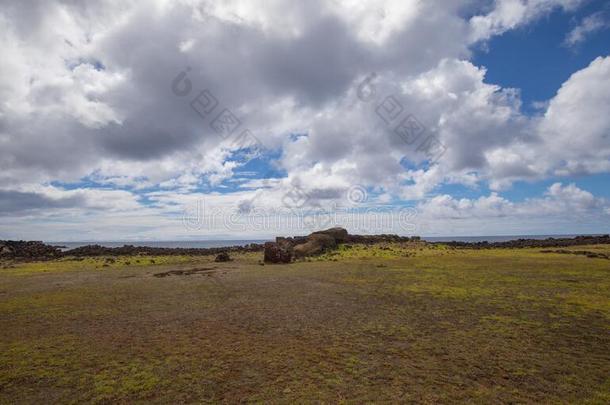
[(205, 270)]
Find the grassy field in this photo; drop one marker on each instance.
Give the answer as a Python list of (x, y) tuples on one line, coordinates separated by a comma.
[(380, 324)]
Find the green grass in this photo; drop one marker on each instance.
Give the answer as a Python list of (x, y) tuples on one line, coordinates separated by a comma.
[(94, 263), (387, 323)]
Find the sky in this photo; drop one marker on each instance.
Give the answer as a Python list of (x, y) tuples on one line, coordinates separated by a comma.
[(246, 119)]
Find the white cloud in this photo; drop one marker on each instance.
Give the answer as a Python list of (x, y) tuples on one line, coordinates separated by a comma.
[(589, 25), (510, 14), (564, 209), (86, 91), (559, 200), (576, 126)]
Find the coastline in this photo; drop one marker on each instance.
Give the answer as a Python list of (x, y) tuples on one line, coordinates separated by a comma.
[(36, 250)]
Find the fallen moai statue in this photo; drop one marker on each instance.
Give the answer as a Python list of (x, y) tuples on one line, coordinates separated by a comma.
[(316, 244), (284, 250)]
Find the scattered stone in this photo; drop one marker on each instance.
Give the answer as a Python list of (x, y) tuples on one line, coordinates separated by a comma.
[(223, 257)]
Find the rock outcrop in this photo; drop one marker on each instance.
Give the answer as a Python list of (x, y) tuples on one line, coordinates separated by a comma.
[(27, 250), (277, 253)]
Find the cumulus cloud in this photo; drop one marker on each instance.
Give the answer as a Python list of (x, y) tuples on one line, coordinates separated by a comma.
[(575, 129), (124, 95), (96, 79), (563, 209), (558, 200)]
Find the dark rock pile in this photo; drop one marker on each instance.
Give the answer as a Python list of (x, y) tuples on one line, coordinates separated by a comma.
[(27, 250), (130, 250), (533, 243), (22, 250)]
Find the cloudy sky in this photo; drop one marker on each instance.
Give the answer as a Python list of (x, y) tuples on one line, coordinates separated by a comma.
[(196, 119)]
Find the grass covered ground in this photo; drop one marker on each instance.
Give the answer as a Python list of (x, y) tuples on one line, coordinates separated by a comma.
[(387, 323)]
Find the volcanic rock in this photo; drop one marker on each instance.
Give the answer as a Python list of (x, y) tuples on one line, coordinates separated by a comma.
[(5, 250), (223, 257), (278, 253), (27, 250)]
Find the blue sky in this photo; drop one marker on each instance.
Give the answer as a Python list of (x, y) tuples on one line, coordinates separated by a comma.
[(534, 58), (224, 120)]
